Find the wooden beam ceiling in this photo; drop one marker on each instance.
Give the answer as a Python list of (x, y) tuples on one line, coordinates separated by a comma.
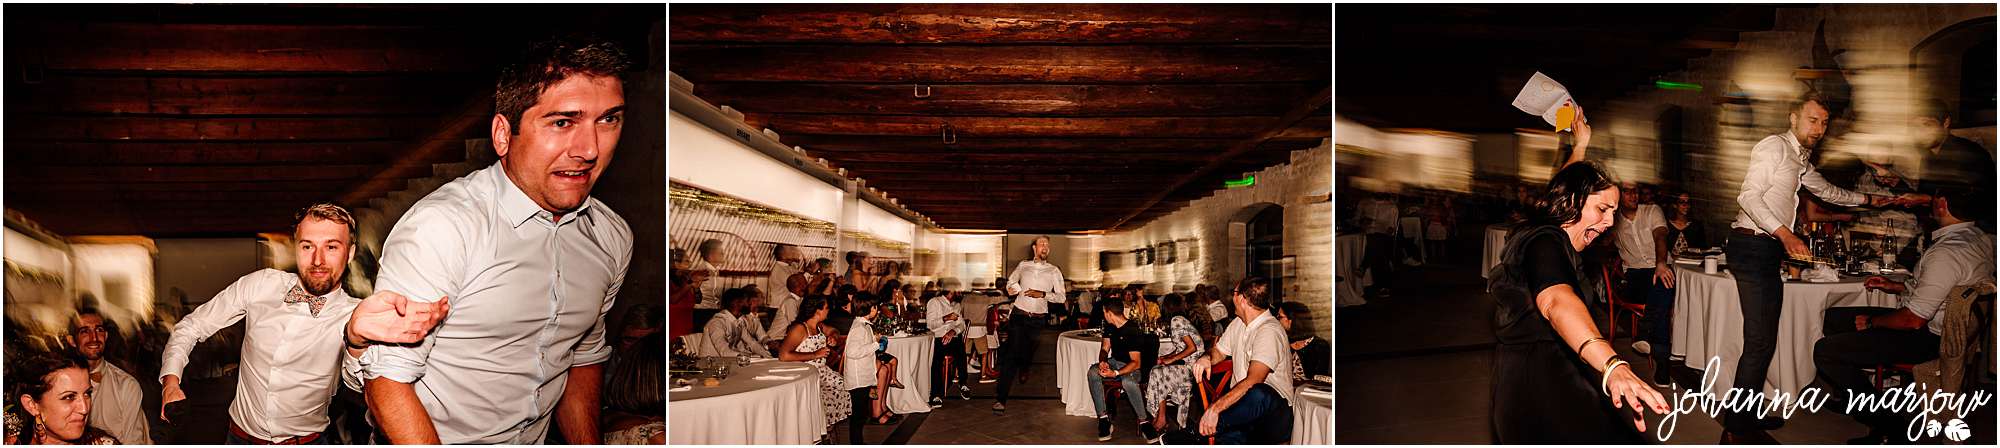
[(1018, 116)]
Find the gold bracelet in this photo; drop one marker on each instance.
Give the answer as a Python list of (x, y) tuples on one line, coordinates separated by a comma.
[(1605, 383), (1586, 344)]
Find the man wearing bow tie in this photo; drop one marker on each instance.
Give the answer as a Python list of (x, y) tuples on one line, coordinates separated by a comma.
[(292, 342)]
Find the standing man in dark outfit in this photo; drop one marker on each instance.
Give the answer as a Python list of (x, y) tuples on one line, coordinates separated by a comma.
[(1762, 238)]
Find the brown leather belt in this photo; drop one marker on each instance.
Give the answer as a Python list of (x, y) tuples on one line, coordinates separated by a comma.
[(300, 440)]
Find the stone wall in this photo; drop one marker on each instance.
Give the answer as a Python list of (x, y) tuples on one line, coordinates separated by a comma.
[(1209, 236)]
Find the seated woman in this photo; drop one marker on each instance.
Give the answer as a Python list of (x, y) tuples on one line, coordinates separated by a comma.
[(50, 398), (809, 339), (635, 395), (1172, 380)]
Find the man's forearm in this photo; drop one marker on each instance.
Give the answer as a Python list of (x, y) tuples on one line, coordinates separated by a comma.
[(576, 413), (401, 416)]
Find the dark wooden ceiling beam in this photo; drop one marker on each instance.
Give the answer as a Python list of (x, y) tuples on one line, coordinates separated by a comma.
[(1001, 23), (291, 186), (1011, 64), (966, 128), (47, 128), (179, 47), (208, 174), (1013, 158), (1291, 119), (830, 143), (150, 195), (1074, 100), (278, 153), (359, 95)]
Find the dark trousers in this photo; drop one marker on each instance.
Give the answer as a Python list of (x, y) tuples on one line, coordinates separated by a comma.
[(1845, 351), (1755, 261), (1657, 326), (940, 349), (1378, 257), (1261, 417), (864, 411), (1019, 350)]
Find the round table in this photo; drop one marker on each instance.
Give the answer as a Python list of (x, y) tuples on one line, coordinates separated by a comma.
[(1496, 241), (1076, 350), (1708, 325), (744, 410), (1312, 418), (1352, 270), (913, 369)]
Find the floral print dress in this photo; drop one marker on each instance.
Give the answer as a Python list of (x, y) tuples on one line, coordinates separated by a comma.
[(1174, 383)]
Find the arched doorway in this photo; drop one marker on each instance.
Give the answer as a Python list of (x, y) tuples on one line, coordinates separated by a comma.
[(1956, 65), (1263, 245)]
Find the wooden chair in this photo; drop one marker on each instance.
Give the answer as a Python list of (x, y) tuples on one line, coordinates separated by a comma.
[(1633, 309), (1218, 375)]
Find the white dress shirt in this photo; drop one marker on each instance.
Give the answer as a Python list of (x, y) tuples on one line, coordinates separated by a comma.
[(1635, 236), (291, 359), (1769, 197), (528, 299), (723, 331), (1040, 276), (711, 288), (788, 308), (934, 312), (1961, 255), (1261, 340), (781, 273), (1217, 311), (115, 408), (859, 368)]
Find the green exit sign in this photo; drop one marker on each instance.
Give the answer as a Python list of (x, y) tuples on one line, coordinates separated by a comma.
[(1239, 183)]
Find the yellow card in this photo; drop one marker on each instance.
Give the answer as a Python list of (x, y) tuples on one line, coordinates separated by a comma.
[(1565, 117)]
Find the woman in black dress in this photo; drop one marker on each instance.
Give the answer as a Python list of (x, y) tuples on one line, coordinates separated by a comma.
[(1554, 378)]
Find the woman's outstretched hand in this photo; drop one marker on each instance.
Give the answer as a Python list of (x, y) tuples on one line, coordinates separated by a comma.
[(1628, 390)]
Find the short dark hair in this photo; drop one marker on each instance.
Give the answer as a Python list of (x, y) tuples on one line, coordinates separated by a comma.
[(1934, 108), (1968, 203), (707, 246), (1561, 202), (80, 312), (1113, 307), (778, 250), (733, 296), (1257, 290), (862, 301), (1174, 304), (1816, 96), (549, 61), (1295, 311)]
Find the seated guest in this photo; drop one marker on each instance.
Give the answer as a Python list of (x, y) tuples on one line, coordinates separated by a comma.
[(1257, 409), (808, 339), (1218, 308), (787, 306), (48, 402), (1172, 381), (726, 334), (947, 323), (1121, 360), (115, 397), (1860, 338), (1137, 306), (635, 394), (867, 371), (1311, 355), (640, 321)]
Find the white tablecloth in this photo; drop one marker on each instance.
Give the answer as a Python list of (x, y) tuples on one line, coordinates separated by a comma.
[(1074, 351), (913, 369), (1352, 270), (1708, 322), (746, 411), (1312, 418), (1496, 241)]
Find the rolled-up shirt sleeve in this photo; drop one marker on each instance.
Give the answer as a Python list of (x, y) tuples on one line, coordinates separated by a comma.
[(225, 309), (423, 259), (1765, 182)]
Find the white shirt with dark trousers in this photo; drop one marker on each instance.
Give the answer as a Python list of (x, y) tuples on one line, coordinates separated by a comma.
[(1635, 236), (1039, 276), (1261, 340), (115, 405), (934, 313), (528, 298), (290, 357), (1769, 197), (859, 366)]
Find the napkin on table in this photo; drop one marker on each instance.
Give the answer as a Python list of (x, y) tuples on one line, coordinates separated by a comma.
[(775, 378)]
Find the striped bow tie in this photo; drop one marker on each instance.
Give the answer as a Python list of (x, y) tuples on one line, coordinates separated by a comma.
[(298, 295)]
